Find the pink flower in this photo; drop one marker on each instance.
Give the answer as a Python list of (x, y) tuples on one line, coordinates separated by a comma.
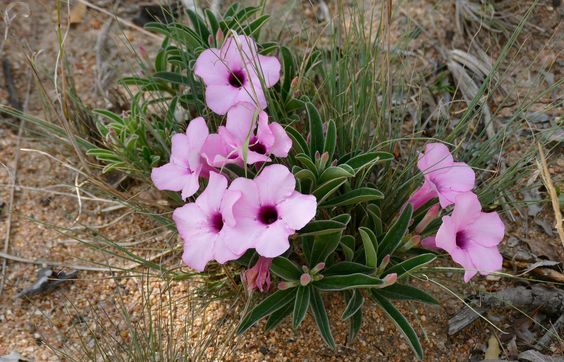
[(259, 275), (208, 224), (444, 178), (272, 208), (185, 166), (248, 136), (235, 73), (471, 236)]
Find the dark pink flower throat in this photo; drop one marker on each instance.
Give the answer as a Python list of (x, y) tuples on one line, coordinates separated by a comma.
[(216, 222), (268, 214), (237, 78), (461, 239)]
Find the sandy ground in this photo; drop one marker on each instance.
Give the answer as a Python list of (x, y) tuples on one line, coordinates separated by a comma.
[(45, 199)]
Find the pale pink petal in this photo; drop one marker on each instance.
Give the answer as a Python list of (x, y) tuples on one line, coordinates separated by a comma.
[(221, 97), (273, 240), (211, 68), (264, 133), (209, 200), (469, 274), (180, 150), (467, 208), (446, 235), (192, 184), (249, 204), (275, 183), (242, 237), (458, 179), (237, 51), (487, 230), (252, 93), (169, 177), (189, 219), (198, 251), (436, 157), (241, 121), (297, 210), (197, 133), (269, 67), (486, 260), (282, 142), (426, 192), (221, 252), (215, 151), (254, 157), (229, 199)]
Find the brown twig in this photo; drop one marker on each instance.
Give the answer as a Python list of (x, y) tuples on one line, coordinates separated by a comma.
[(551, 192)]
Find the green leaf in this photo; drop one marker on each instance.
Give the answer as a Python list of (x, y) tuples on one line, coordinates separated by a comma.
[(214, 23), (395, 234), (347, 267), (400, 322), (374, 213), (346, 282), (271, 304), (354, 304), (278, 317), (354, 326), (199, 25), (370, 246), (366, 159), (406, 292), (307, 162), (315, 129), (285, 268), (322, 227), (409, 265), (323, 246), (172, 77), (330, 139), (362, 194), (335, 172), (254, 28), (289, 66), (320, 317), (301, 304), (298, 141), (327, 189)]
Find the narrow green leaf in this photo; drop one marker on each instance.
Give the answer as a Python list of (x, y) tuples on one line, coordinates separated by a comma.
[(354, 326), (324, 191), (354, 304), (323, 246), (395, 234), (347, 267), (315, 129), (289, 66), (271, 304), (278, 317), (362, 194), (374, 213), (335, 172), (298, 141), (172, 77), (285, 268), (400, 322), (409, 265), (370, 245), (301, 304), (320, 317), (199, 25), (346, 282), (322, 227), (406, 292), (254, 27), (365, 159), (307, 162)]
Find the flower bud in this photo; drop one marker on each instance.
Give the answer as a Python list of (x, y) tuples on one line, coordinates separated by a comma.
[(429, 216), (305, 279), (219, 37), (286, 285), (319, 267), (390, 279)]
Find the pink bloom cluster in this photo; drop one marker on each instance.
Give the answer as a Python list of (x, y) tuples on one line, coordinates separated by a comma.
[(226, 220), (469, 235)]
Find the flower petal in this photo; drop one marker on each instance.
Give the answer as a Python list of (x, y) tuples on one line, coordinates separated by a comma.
[(240, 121), (486, 260), (198, 251), (297, 210), (467, 209), (211, 68), (248, 205), (238, 50), (282, 142), (241, 238), (252, 92), (275, 183), (273, 240), (229, 199), (192, 184), (221, 97), (458, 179), (209, 200), (446, 235), (264, 133), (426, 192), (222, 253), (169, 177), (435, 158), (215, 151), (269, 67), (487, 230), (196, 133)]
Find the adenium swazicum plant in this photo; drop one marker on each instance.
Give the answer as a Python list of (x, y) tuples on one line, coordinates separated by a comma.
[(277, 197)]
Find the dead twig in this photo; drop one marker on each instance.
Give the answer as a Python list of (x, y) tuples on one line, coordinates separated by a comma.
[(547, 180)]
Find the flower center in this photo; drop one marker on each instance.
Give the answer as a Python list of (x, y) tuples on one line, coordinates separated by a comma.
[(268, 214), (461, 239), (256, 146), (237, 78), (216, 222)]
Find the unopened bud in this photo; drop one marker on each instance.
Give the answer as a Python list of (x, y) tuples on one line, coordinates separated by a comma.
[(319, 267), (286, 285), (429, 216), (219, 37), (294, 82), (383, 264), (390, 279), (305, 279)]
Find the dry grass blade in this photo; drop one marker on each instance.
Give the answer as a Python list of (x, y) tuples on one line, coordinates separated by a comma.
[(543, 167)]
